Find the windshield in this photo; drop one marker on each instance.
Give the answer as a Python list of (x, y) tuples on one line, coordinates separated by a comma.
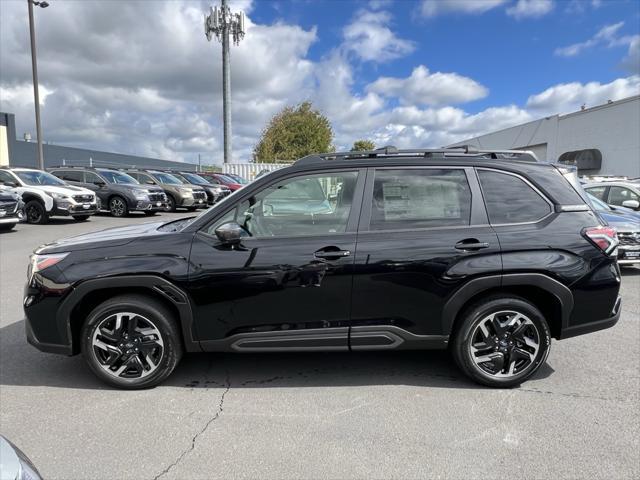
[(195, 179), (238, 179), (34, 177), (598, 204), (167, 178), (117, 177)]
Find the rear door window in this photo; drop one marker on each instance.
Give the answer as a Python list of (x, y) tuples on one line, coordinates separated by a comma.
[(509, 199), (420, 198)]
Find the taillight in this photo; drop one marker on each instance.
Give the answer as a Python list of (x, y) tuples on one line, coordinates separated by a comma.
[(605, 238)]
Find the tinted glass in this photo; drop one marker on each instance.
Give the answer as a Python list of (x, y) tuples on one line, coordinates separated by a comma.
[(617, 195), (510, 199), (306, 205), (598, 204), (90, 177), (194, 179), (5, 177), (117, 177), (73, 176), (167, 178), (34, 177), (597, 192), (420, 198)]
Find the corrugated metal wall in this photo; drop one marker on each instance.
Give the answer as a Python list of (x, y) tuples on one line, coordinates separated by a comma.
[(251, 170)]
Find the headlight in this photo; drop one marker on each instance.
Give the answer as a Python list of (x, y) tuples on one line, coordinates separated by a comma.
[(186, 191), (40, 262), (57, 196), (141, 194)]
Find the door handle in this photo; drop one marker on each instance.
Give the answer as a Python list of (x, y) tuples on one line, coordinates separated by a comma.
[(471, 244), (332, 254)]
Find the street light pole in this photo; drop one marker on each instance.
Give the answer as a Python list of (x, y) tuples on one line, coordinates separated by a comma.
[(34, 67), (224, 24)]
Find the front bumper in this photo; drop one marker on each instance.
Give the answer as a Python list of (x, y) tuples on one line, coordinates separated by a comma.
[(45, 347), (75, 209), (628, 254), (12, 218), (149, 206)]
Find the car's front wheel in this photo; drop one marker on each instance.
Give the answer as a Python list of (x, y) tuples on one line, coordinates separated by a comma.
[(118, 207), (131, 342), (501, 341), (35, 212)]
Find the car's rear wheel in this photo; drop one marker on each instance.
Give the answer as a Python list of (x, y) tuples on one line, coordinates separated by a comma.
[(35, 212), (118, 207), (501, 341), (131, 342)]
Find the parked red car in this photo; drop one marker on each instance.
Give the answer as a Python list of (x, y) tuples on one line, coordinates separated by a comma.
[(221, 179)]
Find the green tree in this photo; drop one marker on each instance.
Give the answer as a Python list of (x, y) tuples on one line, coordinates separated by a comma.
[(294, 133), (363, 145)]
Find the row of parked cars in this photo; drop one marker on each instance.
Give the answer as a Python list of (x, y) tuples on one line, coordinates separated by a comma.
[(35, 195), (617, 200)]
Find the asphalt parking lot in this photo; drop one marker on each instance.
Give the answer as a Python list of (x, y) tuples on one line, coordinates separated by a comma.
[(364, 415)]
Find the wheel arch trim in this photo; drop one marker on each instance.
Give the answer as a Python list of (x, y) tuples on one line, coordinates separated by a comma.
[(460, 297), (155, 284)]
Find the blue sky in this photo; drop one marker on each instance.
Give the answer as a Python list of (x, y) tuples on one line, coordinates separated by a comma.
[(124, 77)]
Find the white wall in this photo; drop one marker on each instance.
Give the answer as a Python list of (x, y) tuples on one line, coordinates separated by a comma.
[(613, 128)]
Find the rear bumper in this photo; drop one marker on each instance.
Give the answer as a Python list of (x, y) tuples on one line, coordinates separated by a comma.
[(582, 329)]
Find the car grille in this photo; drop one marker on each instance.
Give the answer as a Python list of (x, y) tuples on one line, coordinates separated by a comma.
[(629, 238), (9, 207), (199, 195), (157, 197), (83, 198)]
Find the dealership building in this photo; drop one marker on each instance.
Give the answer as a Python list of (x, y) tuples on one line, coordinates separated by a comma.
[(22, 153), (601, 140)]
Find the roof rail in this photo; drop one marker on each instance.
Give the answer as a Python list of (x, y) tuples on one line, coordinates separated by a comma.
[(391, 151)]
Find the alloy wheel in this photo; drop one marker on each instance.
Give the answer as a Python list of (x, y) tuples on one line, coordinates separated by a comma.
[(117, 207), (504, 344), (127, 345), (34, 214)]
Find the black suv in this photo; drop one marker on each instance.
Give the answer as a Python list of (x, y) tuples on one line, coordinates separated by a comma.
[(118, 192), (490, 254)]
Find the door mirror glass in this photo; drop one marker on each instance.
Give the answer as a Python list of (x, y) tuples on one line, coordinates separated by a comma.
[(635, 204), (231, 233)]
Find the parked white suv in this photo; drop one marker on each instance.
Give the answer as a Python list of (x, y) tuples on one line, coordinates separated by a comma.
[(45, 195)]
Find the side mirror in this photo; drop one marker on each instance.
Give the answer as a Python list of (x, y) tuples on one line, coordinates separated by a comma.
[(635, 204), (10, 184), (231, 233), (99, 184)]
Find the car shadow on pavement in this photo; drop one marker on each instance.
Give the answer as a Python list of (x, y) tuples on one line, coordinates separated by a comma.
[(22, 365)]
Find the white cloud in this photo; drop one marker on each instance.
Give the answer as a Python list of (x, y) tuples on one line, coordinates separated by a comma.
[(432, 8), (568, 97), (606, 36), (632, 61), (530, 8), (369, 37), (425, 88)]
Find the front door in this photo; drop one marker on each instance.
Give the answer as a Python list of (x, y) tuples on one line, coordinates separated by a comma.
[(423, 233), (288, 284)]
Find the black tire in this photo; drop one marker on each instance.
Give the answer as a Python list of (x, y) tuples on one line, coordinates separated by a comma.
[(35, 212), (511, 347), (171, 203), (6, 227), (81, 218), (118, 206), (153, 313)]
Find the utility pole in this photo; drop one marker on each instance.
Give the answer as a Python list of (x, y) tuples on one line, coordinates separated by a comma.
[(34, 68), (222, 23)]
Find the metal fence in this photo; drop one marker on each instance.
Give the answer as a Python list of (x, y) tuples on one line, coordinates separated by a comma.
[(251, 170)]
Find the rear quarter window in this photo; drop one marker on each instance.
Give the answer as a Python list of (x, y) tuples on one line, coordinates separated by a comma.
[(509, 199)]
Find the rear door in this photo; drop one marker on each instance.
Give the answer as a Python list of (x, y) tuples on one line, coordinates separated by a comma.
[(423, 233)]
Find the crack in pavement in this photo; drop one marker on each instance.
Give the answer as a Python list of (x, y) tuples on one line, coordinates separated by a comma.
[(194, 439)]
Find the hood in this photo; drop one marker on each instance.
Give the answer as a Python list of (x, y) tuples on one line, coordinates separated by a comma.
[(62, 189), (138, 186), (622, 223), (111, 237)]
